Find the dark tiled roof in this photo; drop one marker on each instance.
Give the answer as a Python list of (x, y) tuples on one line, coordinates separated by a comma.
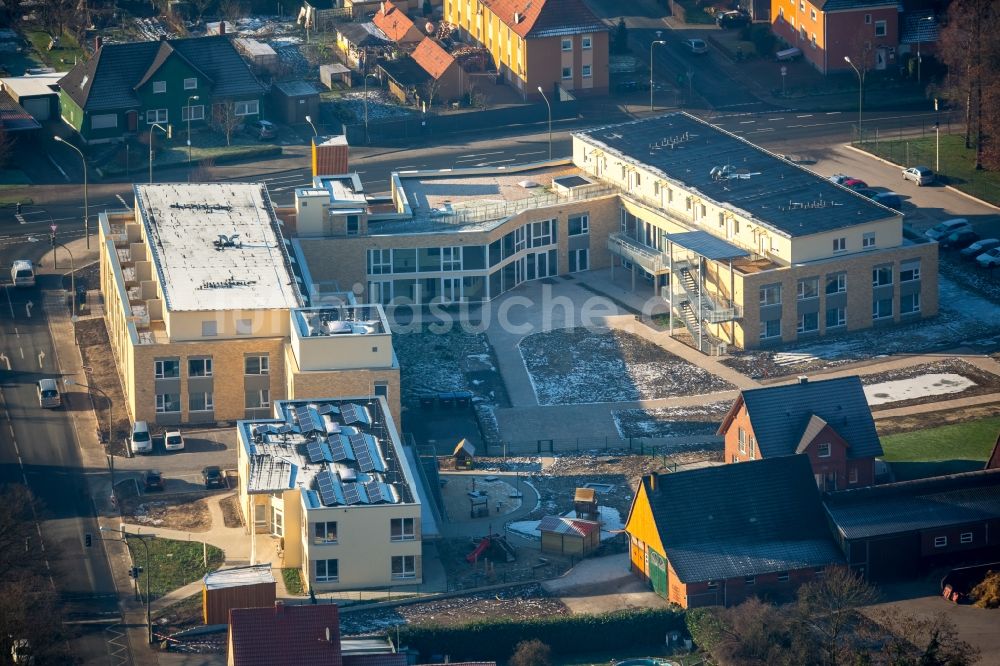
[(361, 34), (162, 54), (13, 117), (894, 508), (543, 18), (108, 80), (406, 72), (841, 5), (780, 415), (743, 519), (285, 636)]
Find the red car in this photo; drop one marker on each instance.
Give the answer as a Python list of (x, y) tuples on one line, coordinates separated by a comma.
[(854, 183)]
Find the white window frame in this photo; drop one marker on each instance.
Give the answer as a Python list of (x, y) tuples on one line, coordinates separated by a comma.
[(380, 262), (882, 26), (966, 537), (877, 311), (586, 43), (940, 542), (878, 272), (586, 71), (159, 87), (584, 225), (326, 578), (841, 280), (567, 73), (868, 240), (263, 399), (191, 83), (323, 527), (801, 325), (197, 112), (767, 289), (803, 292), (911, 267), (159, 368), (566, 44), (741, 438), (209, 404), (763, 330), (868, 19), (841, 317), (243, 108), (451, 258), (206, 362), (104, 121), (158, 116), (404, 573), (263, 364), (840, 244), (162, 404), (404, 534), (916, 303), (824, 450)]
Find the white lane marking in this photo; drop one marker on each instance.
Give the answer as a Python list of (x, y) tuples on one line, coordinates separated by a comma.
[(833, 113), (22, 352), (775, 119), (791, 126), (805, 115), (747, 122), (537, 152), (764, 129)]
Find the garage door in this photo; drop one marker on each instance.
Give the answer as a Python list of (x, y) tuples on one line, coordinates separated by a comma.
[(658, 573), (38, 107)]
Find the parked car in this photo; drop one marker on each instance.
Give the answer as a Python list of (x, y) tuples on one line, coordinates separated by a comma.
[(947, 227), (173, 441), (979, 247), (839, 178), (22, 273), (697, 46), (48, 394), (920, 175), (261, 129), (631, 86), (141, 441), (854, 183), (959, 239), (213, 477), (152, 480), (989, 259), (866, 192), (732, 19), (890, 199)]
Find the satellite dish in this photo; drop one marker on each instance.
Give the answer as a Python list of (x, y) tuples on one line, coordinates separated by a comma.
[(429, 28), (527, 184)]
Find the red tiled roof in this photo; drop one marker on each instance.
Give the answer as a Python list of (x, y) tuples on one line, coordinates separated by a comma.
[(285, 635), (435, 61), (562, 525), (393, 22), (543, 18), (396, 659)]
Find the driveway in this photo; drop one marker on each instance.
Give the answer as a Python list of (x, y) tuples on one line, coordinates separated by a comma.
[(602, 585), (182, 469)]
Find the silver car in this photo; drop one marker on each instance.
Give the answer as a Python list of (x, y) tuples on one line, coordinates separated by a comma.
[(920, 175)]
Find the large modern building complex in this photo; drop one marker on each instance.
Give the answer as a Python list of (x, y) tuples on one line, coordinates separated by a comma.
[(207, 316), (746, 248)]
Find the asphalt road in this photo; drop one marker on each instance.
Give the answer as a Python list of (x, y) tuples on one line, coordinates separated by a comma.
[(38, 448)]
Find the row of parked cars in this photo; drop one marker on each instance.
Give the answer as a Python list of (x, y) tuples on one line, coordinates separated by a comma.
[(890, 199), (958, 234)]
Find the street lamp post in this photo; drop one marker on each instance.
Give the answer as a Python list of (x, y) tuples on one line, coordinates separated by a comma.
[(663, 43), (861, 94), (937, 138), (166, 130), (310, 121), (111, 424), (86, 200), (192, 97), (72, 267), (919, 59), (142, 539), (549, 106)]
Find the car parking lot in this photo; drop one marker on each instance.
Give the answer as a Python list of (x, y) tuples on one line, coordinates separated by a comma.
[(182, 470)]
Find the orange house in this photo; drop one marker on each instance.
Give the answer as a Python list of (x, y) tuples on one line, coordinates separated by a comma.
[(866, 31), (718, 535), (396, 25), (829, 421), (442, 68)]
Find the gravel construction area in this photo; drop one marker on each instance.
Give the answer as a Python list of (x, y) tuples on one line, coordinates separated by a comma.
[(982, 382), (524, 601), (95, 348), (176, 513), (933, 419), (671, 421), (580, 366), (231, 514)]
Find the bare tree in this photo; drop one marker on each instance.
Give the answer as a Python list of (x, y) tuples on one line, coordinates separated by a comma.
[(57, 15), (531, 653), (199, 7), (231, 10), (429, 91), (909, 640), (226, 120), (827, 609)]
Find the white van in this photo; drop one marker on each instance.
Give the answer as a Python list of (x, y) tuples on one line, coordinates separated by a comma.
[(141, 441), (22, 273), (48, 394)]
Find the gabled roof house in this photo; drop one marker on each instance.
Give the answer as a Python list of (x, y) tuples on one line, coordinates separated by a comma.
[(397, 26), (828, 420), (126, 88)]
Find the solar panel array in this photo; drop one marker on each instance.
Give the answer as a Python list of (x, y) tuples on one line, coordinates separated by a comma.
[(337, 449), (319, 452), (351, 494), (328, 409), (307, 421), (327, 492), (374, 490), (363, 453), (350, 413)]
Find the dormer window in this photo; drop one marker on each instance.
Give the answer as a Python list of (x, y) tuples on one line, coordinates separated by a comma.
[(84, 81), (159, 86)]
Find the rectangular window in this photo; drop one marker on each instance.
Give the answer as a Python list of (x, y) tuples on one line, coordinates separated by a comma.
[(199, 367), (880, 28), (168, 402), (249, 108), (836, 283), (808, 323), (579, 225), (379, 262), (353, 225), (104, 121), (167, 369), (752, 449), (325, 532), (201, 401), (812, 41), (965, 537), (823, 450), (812, 13), (567, 44), (836, 317), (402, 529), (381, 389), (541, 233), (404, 261), (567, 73), (257, 365), (586, 71), (882, 276), (451, 258), (840, 244), (852, 475), (770, 329), (327, 571), (741, 437), (868, 19), (940, 542), (881, 308), (808, 288), (868, 240), (404, 566), (156, 116), (909, 271), (191, 84), (909, 304), (159, 86), (209, 329), (770, 294), (197, 112), (783, 577), (258, 399), (585, 43), (244, 326)]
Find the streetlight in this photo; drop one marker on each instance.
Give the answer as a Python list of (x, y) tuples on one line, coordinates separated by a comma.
[(861, 93), (937, 138), (86, 200), (72, 266), (919, 59), (111, 422), (142, 539), (550, 119), (663, 43), (192, 97), (168, 130), (310, 121)]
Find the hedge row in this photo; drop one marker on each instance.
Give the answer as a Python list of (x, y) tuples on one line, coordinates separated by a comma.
[(567, 634)]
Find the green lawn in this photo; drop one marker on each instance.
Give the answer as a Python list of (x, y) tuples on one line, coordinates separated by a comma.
[(957, 162), (61, 58), (945, 450), (293, 581), (173, 563)]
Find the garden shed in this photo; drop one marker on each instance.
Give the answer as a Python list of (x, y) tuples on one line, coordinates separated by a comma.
[(464, 455), (260, 55), (585, 503), (294, 100), (569, 536), (240, 587), (334, 73)]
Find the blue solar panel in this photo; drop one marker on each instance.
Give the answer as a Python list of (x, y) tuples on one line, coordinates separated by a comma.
[(327, 492), (307, 421), (355, 414), (337, 450), (363, 453), (328, 409), (351, 494), (319, 452), (374, 490)]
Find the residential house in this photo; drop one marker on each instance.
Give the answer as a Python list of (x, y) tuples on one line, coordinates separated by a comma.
[(396, 25), (37, 94), (447, 79), (901, 530), (828, 420), (357, 40), (331, 483), (406, 81), (551, 44), (718, 535), (284, 636), (125, 88), (827, 31), (211, 319)]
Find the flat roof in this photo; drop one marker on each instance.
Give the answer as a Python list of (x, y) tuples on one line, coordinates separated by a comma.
[(342, 188), (737, 174), (332, 139), (216, 246), (253, 574), (707, 245), (339, 452), (253, 47), (297, 88), (340, 320), (33, 85)]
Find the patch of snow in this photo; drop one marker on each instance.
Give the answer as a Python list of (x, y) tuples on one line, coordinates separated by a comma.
[(916, 387), (610, 518)]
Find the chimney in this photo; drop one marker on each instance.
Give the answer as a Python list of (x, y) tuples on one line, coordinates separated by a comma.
[(517, 17), (653, 478), (222, 27), (98, 43), (381, 8), (803, 379)]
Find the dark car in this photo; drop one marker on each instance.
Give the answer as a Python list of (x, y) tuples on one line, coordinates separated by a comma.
[(213, 477), (866, 192), (732, 19), (152, 480), (261, 129), (958, 240), (631, 86), (890, 199), (979, 247)]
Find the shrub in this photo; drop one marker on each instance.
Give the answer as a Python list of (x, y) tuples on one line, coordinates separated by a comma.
[(987, 593), (531, 653)]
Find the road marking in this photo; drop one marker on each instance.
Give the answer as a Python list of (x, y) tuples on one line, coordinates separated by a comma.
[(747, 122), (22, 352), (41, 359), (775, 119), (122, 200), (833, 113), (409, 166), (764, 129), (537, 152), (791, 126), (16, 333), (805, 115)]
